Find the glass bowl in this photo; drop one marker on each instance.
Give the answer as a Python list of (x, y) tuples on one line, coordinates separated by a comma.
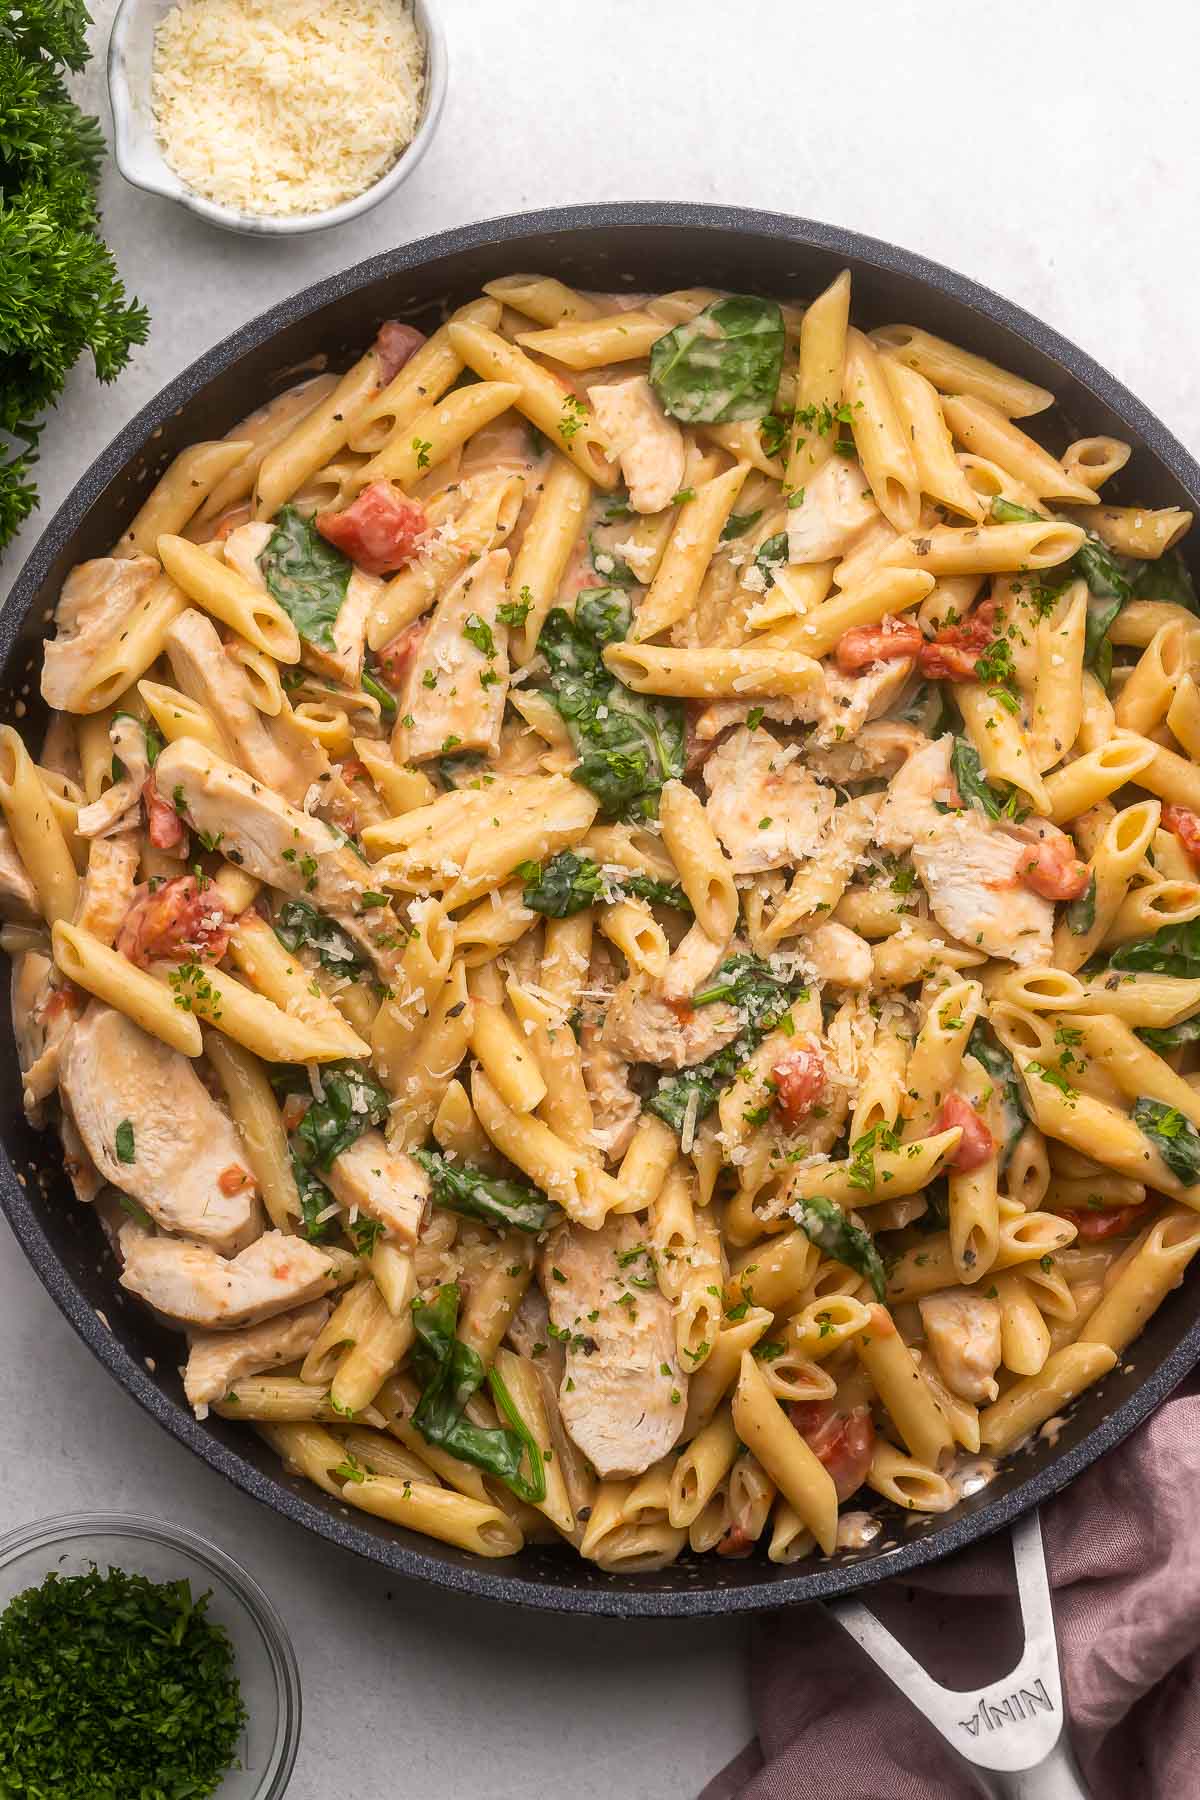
[(264, 1659)]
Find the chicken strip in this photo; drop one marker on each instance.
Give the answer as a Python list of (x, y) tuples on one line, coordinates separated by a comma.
[(963, 1332), (457, 682), (281, 845), (836, 509), (150, 1126), (216, 1359), (623, 1397), (194, 1286), (647, 444), (763, 804), (383, 1184), (96, 601)]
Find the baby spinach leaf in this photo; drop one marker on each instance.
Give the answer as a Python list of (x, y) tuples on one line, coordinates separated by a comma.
[(449, 1373), (1170, 1037), (826, 1225), (1174, 1137), (306, 575), (969, 779), (738, 523), (772, 554), (1081, 914), (748, 983), (763, 1000), (298, 923), (628, 744), (723, 365), (495, 1200), (986, 1048), (1167, 578), (1175, 950), (315, 1197), (569, 883), (352, 1102), (1007, 512)]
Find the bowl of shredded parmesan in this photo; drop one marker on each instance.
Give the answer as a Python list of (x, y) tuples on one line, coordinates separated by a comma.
[(274, 117)]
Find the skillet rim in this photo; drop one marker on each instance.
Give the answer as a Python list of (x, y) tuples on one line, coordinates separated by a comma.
[(620, 1597)]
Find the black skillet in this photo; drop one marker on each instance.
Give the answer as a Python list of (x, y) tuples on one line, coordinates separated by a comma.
[(607, 247)]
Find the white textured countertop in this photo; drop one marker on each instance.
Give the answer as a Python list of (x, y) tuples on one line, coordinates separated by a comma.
[(1049, 150)]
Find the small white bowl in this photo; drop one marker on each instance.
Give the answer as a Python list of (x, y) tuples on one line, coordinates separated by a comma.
[(142, 163)]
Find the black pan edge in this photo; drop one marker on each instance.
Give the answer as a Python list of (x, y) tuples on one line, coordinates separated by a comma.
[(681, 1591)]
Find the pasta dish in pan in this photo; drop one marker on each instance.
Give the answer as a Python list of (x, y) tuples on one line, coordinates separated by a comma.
[(608, 914)]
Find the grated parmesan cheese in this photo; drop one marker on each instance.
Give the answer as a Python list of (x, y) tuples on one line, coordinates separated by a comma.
[(286, 106)]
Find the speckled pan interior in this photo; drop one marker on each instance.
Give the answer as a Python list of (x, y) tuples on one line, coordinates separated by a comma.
[(608, 247)]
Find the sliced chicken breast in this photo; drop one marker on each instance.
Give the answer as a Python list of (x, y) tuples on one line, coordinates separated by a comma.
[(456, 684), (272, 750), (616, 1109), (43, 1013), (910, 811), (18, 897), (763, 804), (106, 893), (194, 1286), (647, 444), (623, 1397), (150, 1126), (281, 845), (119, 807), (971, 874), (963, 1332), (216, 1359), (880, 748), (96, 601), (643, 1026), (836, 509), (383, 1184)]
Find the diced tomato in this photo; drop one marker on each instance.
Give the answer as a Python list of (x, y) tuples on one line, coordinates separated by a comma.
[(176, 923), (394, 344), (166, 828), (1053, 870), (867, 644), (352, 769), (293, 1110), (843, 1441), (1186, 826), (736, 1542), (233, 1179), (976, 1145), (799, 1079), (399, 653), (953, 653), (1094, 1223), (379, 531)]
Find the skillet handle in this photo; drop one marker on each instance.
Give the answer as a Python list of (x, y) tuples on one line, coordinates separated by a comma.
[(1015, 1728)]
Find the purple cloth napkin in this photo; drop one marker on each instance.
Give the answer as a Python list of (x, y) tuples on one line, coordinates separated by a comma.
[(1123, 1544)]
